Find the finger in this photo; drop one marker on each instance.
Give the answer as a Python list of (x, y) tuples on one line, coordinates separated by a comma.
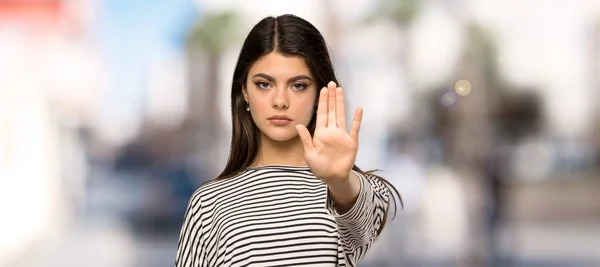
[(340, 109), (322, 109), (305, 138), (331, 89), (356, 123)]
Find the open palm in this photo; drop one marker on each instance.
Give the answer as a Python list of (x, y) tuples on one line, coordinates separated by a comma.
[(331, 152)]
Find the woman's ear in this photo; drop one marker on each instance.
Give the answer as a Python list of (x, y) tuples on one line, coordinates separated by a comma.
[(245, 93)]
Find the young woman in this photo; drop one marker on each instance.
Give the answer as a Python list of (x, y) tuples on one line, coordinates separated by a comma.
[(290, 193)]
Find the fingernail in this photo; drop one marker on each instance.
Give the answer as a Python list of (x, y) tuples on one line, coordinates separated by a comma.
[(331, 83)]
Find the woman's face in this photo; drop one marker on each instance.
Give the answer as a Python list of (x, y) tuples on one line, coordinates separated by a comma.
[(281, 92)]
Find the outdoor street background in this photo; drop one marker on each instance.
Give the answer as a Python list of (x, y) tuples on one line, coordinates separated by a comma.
[(485, 114)]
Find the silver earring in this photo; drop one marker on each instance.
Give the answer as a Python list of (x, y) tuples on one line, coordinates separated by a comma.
[(248, 107)]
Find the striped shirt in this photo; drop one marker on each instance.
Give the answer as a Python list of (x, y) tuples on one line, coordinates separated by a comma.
[(278, 216)]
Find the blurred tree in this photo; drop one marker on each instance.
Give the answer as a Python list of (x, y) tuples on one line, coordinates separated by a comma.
[(401, 12), (463, 123), (478, 121), (207, 42)]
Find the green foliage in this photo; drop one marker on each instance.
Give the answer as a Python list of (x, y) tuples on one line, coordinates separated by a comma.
[(400, 12), (214, 31)]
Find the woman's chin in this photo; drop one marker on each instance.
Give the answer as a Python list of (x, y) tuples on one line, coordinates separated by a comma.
[(282, 135)]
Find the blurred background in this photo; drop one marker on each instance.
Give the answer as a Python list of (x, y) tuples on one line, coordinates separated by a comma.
[(484, 114)]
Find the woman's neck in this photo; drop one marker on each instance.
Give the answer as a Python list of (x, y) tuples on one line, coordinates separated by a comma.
[(272, 152)]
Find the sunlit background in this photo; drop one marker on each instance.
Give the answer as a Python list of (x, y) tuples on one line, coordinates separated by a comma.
[(485, 114)]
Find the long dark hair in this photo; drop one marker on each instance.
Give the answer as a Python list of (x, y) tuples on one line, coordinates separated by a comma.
[(290, 36)]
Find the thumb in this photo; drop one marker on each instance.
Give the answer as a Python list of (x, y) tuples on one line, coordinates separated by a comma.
[(305, 137)]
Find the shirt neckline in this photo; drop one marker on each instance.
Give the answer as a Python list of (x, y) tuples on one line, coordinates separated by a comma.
[(279, 166)]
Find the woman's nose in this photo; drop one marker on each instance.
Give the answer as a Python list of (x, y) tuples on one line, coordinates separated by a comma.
[(280, 100)]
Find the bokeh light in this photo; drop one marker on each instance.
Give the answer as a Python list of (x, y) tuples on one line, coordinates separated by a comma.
[(462, 87), (448, 98)]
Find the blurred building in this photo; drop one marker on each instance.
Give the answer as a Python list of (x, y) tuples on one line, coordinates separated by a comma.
[(47, 91), (29, 179)]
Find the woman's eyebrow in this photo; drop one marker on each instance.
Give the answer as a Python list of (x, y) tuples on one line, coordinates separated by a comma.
[(290, 80), (299, 77)]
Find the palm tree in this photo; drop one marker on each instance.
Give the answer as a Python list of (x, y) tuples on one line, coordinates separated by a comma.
[(401, 12), (207, 42)]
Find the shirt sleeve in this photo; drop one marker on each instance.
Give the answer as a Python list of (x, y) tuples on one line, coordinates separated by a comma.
[(189, 252), (359, 226)]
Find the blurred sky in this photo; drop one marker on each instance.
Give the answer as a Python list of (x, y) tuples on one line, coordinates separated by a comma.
[(133, 35)]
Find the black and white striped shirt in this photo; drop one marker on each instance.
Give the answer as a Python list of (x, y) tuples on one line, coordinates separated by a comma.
[(278, 216)]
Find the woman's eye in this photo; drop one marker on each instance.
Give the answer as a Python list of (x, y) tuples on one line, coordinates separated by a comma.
[(262, 85), (300, 86)]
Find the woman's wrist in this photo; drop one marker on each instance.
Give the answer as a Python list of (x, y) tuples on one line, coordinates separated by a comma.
[(345, 192)]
